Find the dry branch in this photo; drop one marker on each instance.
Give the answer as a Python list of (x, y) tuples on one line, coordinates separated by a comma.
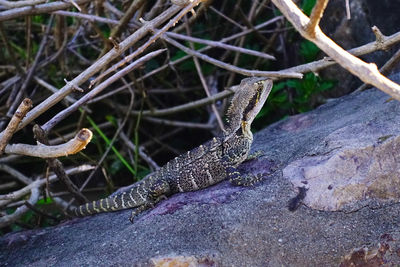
[(246, 72), (13, 196), (9, 219), (149, 26), (368, 73), (63, 114), (220, 45), (21, 3), (16, 174), (13, 124), (99, 64), (38, 9), (57, 167), (315, 66), (73, 146)]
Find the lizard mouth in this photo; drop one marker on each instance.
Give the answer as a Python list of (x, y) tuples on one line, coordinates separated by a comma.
[(246, 130)]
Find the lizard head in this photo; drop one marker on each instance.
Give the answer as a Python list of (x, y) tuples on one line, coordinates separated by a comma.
[(245, 105)]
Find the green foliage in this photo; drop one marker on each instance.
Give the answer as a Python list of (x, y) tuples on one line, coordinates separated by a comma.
[(39, 19), (309, 50), (107, 141), (32, 218), (20, 51), (306, 88), (307, 6), (45, 201), (278, 99)]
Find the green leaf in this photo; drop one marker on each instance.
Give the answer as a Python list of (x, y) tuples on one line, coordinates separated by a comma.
[(45, 201), (104, 137), (307, 6), (309, 50)]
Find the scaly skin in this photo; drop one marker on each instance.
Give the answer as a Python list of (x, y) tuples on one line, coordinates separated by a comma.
[(201, 167)]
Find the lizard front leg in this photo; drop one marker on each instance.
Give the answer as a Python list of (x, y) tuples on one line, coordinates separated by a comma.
[(148, 205), (236, 178)]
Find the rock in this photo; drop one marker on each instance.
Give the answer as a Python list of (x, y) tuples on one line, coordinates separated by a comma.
[(355, 166), (384, 253), (226, 225)]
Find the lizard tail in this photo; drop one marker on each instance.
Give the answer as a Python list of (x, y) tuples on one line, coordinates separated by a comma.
[(101, 205)]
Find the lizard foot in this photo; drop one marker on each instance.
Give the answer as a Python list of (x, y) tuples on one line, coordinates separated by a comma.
[(255, 155), (246, 180), (148, 205), (138, 211)]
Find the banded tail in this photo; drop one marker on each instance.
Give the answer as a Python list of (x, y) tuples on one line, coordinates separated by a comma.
[(121, 201)]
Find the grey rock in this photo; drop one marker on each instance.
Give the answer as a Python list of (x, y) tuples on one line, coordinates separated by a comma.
[(237, 226), (355, 166)]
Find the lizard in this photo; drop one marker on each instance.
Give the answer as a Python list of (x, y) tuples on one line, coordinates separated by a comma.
[(201, 167)]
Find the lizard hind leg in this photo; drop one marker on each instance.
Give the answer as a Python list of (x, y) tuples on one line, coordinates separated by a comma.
[(149, 204), (236, 178), (156, 192)]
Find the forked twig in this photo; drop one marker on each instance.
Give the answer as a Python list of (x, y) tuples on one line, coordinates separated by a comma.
[(14, 122), (368, 73)]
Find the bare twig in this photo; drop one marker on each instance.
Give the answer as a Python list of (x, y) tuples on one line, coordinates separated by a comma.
[(204, 84), (63, 114), (149, 26), (184, 107), (316, 16), (21, 3), (94, 68), (348, 13), (57, 166), (53, 89), (135, 5), (13, 172), (368, 73), (110, 145), (205, 126), (39, 9), (270, 74), (13, 124), (228, 18), (315, 66), (142, 154), (32, 69), (89, 17), (5, 199), (42, 151), (385, 69), (9, 219), (7, 186), (220, 45)]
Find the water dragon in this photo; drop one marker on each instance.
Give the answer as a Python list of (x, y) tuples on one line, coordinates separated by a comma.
[(202, 166)]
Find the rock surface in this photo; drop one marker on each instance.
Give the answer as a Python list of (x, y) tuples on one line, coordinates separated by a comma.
[(235, 226), (354, 166)]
